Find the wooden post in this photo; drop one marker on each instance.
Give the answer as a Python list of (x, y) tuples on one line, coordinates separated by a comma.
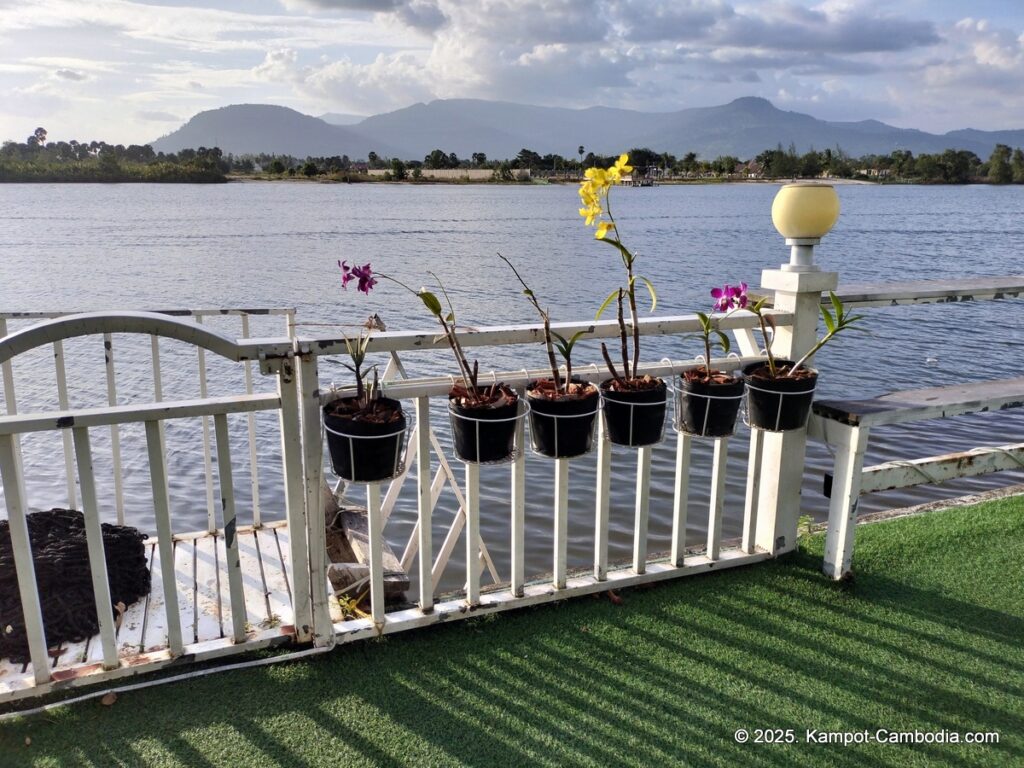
[(425, 505), (604, 487), (227, 498), (561, 537), (643, 499), (94, 541), (680, 501), (17, 511), (717, 497), (295, 496), (313, 466), (375, 526), (842, 511), (472, 534)]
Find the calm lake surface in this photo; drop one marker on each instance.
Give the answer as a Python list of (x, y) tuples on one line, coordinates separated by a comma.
[(91, 247)]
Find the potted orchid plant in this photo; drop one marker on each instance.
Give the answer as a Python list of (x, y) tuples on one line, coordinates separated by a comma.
[(365, 432), (708, 400), (483, 416), (780, 392), (562, 408), (634, 405)]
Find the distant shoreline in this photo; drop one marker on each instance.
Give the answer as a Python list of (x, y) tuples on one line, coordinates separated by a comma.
[(542, 182)]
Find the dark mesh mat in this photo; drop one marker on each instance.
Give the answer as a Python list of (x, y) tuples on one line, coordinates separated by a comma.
[(61, 558)]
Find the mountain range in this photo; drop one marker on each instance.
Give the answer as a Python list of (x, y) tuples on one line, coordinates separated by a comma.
[(743, 128)]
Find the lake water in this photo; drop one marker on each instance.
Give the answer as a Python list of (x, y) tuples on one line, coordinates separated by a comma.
[(89, 247)]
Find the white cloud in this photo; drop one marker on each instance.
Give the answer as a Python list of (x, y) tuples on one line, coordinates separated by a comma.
[(843, 59)]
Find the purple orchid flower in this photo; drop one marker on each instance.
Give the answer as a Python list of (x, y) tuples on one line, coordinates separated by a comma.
[(363, 274), (346, 273), (729, 297)]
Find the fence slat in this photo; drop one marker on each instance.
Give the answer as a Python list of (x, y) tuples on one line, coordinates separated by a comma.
[(680, 503), (472, 534), (753, 490), (254, 477), (425, 505), (717, 504), (158, 379), (115, 431), (518, 534), (227, 496), (162, 510), (375, 526), (211, 507), (94, 540), (64, 404), (14, 495), (643, 499), (604, 489), (561, 521)]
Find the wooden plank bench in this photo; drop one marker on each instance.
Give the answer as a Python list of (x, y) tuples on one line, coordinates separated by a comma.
[(847, 424)]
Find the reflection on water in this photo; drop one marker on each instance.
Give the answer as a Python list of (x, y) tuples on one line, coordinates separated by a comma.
[(137, 246)]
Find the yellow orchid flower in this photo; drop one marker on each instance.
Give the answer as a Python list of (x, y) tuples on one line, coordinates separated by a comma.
[(602, 229)]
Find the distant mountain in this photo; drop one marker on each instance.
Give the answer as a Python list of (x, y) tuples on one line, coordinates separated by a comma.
[(743, 128), (340, 118), (253, 128)]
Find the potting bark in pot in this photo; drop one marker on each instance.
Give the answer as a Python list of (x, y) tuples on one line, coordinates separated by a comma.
[(634, 405), (365, 432), (562, 408), (484, 417), (708, 400), (780, 392)]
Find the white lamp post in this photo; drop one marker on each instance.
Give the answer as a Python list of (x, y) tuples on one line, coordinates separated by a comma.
[(803, 214)]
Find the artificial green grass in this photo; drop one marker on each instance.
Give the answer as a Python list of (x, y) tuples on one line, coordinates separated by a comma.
[(929, 637)]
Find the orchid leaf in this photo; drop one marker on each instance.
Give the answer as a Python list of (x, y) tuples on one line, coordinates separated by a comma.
[(651, 291), (606, 303), (431, 302), (830, 324), (723, 340), (837, 305)]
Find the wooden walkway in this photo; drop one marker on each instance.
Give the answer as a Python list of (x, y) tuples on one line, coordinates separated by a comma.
[(203, 605)]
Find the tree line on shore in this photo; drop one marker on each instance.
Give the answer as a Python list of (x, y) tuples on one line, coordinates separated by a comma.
[(39, 160)]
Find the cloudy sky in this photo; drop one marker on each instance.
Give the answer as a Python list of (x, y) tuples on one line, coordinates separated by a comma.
[(131, 71)]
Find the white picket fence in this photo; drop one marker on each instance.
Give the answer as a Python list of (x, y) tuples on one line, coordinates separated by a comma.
[(263, 583)]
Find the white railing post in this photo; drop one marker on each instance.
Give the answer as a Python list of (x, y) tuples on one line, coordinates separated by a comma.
[(313, 462), (24, 566), (294, 493), (782, 465), (424, 505), (842, 513)]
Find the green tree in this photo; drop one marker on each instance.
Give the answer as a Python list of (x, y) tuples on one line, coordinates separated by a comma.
[(398, 170), (1017, 166), (276, 167), (999, 171), (309, 170), (479, 159)]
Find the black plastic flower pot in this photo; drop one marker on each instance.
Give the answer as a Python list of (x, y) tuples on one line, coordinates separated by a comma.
[(634, 418), (364, 451), (484, 435), (779, 404), (707, 409), (564, 428)]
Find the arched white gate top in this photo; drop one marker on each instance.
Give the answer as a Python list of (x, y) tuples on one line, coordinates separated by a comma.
[(150, 323)]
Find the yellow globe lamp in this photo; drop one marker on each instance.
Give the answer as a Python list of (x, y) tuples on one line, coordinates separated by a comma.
[(804, 213)]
